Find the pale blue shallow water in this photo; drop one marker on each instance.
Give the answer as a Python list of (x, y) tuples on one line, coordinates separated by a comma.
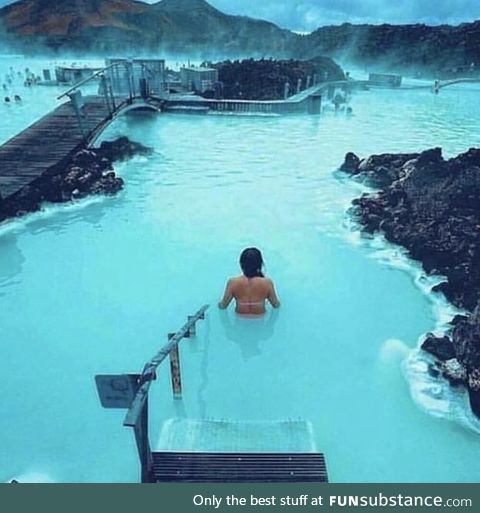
[(95, 288)]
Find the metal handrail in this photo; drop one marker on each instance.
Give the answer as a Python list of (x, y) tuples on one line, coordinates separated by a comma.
[(87, 79), (149, 371), (454, 81)]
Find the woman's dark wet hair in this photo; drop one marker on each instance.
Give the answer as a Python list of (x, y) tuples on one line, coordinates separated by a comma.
[(251, 262)]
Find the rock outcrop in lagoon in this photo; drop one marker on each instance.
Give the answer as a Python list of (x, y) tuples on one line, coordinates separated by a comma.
[(89, 172), (431, 206), (265, 79)]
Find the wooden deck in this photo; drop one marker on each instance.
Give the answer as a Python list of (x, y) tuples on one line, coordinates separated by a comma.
[(197, 467), (48, 143)]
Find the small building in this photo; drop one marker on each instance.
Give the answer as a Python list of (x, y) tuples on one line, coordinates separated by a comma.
[(71, 75), (147, 76), (199, 78), (385, 80)]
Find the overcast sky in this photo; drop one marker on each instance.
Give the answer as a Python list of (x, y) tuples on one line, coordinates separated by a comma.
[(307, 15)]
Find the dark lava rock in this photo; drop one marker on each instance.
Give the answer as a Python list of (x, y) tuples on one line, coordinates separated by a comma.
[(433, 371), (121, 149), (458, 318), (431, 206), (466, 340), (351, 163), (90, 171), (474, 401), (440, 347), (474, 390), (380, 171), (265, 79)]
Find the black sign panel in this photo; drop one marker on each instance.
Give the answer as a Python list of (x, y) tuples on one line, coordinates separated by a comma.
[(117, 391)]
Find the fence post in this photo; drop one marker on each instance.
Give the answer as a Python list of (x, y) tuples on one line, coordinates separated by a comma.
[(175, 370), (193, 330), (129, 66), (143, 445), (77, 103), (103, 85), (112, 97)]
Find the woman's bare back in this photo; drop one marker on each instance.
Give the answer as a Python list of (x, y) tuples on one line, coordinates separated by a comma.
[(250, 295)]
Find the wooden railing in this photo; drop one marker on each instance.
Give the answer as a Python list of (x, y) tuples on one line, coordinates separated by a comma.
[(131, 391)]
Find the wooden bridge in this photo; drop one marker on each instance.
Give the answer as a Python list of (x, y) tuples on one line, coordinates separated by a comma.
[(130, 392), (48, 144)]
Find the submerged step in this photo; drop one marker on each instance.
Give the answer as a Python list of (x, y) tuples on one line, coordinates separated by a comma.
[(186, 435)]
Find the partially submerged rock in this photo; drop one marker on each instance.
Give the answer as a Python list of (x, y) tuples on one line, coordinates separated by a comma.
[(441, 347), (89, 172), (459, 353), (351, 164), (122, 149)]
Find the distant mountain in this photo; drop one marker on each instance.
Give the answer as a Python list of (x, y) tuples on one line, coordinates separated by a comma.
[(65, 17), (399, 46), (195, 28), (180, 26)]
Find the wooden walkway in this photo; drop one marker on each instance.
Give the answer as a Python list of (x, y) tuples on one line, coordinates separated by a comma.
[(48, 144)]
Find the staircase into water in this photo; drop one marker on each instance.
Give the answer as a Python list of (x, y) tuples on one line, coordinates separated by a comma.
[(205, 451)]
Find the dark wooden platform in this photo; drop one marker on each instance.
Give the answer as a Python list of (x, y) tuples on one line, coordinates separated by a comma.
[(48, 143), (239, 467)]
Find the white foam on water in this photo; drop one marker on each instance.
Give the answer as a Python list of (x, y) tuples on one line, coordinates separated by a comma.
[(432, 394), (435, 395), (47, 211)]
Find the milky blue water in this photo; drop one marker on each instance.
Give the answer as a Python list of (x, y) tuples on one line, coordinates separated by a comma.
[(95, 288)]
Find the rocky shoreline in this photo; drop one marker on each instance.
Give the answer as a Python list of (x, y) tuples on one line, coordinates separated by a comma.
[(88, 172), (431, 206)]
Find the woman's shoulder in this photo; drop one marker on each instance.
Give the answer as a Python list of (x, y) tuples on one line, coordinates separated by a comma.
[(235, 279), (264, 281)]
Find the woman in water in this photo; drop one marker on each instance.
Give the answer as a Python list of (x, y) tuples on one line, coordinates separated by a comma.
[(252, 289)]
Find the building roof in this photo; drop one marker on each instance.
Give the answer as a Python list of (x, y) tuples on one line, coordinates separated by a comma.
[(198, 68)]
